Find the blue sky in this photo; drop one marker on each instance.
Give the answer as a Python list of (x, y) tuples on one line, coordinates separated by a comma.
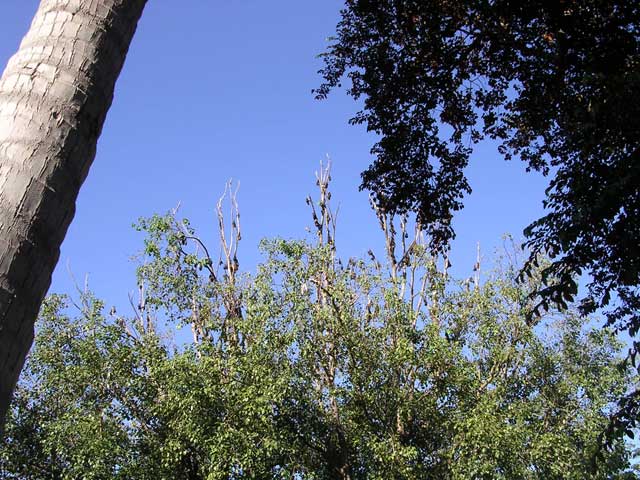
[(214, 90)]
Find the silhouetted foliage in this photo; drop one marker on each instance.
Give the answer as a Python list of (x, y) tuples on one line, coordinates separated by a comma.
[(556, 83)]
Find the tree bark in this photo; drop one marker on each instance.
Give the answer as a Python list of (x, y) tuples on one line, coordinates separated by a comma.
[(54, 96)]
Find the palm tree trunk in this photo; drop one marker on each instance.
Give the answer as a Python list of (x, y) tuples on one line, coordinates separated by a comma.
[(54, 97)]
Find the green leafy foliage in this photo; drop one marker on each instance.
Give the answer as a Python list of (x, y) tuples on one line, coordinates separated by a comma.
[(313, 368)]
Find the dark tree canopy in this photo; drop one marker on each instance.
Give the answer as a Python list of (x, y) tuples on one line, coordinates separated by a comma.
[(557, 84)]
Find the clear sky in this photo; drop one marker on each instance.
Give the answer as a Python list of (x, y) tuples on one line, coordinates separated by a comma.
[(220, 89)]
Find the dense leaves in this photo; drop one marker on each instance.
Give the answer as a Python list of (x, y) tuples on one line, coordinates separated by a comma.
[(556, 83), (327, 370)]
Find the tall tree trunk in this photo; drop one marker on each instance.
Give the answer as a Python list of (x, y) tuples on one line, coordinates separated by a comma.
[(54, 97)]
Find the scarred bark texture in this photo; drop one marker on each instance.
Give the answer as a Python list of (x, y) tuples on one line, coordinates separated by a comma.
[(54, 97)]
